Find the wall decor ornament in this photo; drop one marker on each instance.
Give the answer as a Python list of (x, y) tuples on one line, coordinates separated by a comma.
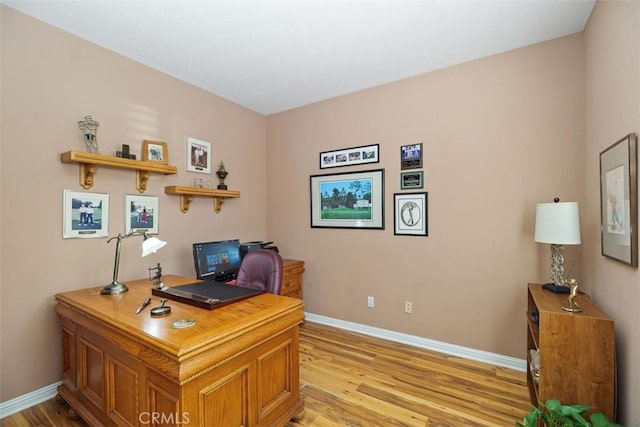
[(86, 215), (411, 156), (410, 214), (198, 155), (350, 156), (222, 174), (411, 180), (348, 200), (89, 128), (619, 200), (141, 214)]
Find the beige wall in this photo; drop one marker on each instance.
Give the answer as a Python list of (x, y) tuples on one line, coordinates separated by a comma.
[(500, 134), (612, 75), (50, 80)]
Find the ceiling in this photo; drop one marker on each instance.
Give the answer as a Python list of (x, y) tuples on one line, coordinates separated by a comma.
[(274, 55)]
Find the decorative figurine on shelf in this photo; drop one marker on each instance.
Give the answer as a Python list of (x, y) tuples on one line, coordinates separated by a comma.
[(157, 278), (574, 307), (222, 174), (89, 128)]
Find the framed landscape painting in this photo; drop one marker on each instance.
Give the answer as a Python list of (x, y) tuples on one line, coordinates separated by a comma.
[(348, 200)]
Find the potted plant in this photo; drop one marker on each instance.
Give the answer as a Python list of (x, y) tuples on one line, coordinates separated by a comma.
[(554, 413)]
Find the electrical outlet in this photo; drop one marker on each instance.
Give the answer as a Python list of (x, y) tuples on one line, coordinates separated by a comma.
[(370, 302), (408, 307)]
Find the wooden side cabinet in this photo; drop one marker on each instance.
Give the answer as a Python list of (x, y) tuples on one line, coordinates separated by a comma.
[(576, 352), (292, 270)]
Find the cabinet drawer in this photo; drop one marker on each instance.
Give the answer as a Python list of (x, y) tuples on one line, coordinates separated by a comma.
[(292, 278)]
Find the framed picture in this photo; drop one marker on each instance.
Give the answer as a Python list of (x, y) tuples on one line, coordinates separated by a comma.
[(86, 215), (619, 200), (411, 156), (350, 156), (198, 155), (411, 180), (410, 214), (348, 200), (155, 151), (141, 213)]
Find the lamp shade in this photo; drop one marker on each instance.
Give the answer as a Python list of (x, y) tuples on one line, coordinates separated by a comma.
[(558, 223), (151, 245)]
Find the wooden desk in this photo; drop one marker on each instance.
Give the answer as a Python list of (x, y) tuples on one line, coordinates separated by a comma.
[(237, 366)]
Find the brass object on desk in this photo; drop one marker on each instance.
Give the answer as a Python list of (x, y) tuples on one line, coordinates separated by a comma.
[(574, 307)]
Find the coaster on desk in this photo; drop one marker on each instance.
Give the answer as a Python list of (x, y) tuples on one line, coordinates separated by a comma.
[(183, 323)]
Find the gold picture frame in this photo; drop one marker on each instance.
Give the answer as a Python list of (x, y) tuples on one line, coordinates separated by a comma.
[(155, 151)]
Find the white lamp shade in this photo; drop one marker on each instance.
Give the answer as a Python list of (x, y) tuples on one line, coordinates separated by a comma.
[(558, 223), (151, 245)]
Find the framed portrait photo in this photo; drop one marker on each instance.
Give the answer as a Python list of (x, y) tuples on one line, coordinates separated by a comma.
[(348, 200), (155, 151), (410, 214), (141, 213), (619, 200), (86, 215), (198, 156)]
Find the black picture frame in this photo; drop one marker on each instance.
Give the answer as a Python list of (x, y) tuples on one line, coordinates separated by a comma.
[(350, 156), (411, 214), (348, 200)]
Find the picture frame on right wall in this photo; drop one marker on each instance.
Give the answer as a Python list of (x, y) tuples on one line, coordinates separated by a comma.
[(619, 200)]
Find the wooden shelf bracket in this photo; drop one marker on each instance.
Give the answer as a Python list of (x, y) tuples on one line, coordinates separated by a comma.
[(88, 165), (188, 193)]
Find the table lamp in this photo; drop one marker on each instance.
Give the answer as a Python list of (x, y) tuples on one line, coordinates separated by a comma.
[(557, 223), (149, 245)]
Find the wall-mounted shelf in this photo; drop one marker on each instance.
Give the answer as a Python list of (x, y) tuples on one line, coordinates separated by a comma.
[(88, 164), (188, 193)]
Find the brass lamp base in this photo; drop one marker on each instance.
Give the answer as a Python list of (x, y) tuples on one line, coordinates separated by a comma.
[(114, 289), (572, 309)]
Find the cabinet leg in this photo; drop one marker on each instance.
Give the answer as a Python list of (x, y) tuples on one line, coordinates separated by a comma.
[(60, 400), (299, 416), (73, 415)]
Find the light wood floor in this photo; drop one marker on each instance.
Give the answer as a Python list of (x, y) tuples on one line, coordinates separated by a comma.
[(353, 380)]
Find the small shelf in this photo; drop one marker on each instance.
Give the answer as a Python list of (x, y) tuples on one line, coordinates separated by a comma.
[(188, 193), (88, 165)]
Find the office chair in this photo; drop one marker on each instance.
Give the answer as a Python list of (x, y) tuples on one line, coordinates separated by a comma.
[(261, 269)]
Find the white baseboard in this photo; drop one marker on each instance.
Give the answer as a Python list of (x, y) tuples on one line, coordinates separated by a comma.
[(28, 400), (441, 347)]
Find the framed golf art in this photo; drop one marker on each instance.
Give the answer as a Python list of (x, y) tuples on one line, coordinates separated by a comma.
[(348, 200)]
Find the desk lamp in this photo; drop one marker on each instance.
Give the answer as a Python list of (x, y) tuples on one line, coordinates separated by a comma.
[(149, 245), (557, 223)]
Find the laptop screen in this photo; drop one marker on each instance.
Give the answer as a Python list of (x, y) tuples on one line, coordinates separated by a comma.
[(217, 260)]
